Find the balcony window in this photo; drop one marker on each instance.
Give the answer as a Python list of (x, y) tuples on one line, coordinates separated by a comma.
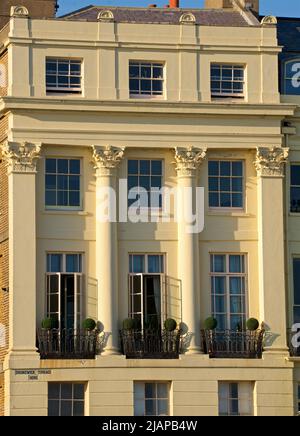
[(228, 290), (63, 75), (226, 184), (295, 188), (236, 399), (62, 183), (146, 79), (64, 289), (66, 399), (227, 81), (146, 279), (145, 178), (151, 399)]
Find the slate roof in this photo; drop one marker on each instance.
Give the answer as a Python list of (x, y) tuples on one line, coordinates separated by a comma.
[(205, 17), (288, 31)]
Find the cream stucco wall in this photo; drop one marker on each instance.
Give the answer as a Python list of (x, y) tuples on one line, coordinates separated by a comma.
[(104, 115)]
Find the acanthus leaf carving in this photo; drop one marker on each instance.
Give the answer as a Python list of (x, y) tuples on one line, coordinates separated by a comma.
[(188, 160), (107, 158), (21, 157), (270, 162)]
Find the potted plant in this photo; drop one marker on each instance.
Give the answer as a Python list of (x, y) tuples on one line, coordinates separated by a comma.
[(89, 324), (170, 325), (252, 324), (49, 324), (210, 323), (129, 324)]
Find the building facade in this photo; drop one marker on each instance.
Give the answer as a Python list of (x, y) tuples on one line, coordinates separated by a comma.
[(94, 106)]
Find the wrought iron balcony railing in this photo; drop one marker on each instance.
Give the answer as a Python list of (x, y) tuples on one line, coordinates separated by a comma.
[(294, 343), (150, 344), (233, 344), (68, 344)]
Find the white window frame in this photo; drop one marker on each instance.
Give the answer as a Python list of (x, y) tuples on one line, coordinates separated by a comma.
[(72, 400), (222, 65), (78, 279), (227, 276), (131, 278), (58, 207), (156, 398), (248, 397), (228, 208), (67, 89), (140, 63)]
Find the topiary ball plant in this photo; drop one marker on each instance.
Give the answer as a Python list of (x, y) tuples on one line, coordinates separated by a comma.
[(89, 324), (210, 323), (170, 325), (129, 324), (49, 323), (252, 324)]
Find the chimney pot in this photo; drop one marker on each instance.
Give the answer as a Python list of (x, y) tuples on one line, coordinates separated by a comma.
[(174, 3)]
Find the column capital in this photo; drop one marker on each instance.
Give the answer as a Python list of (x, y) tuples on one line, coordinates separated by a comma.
[(21, 157), (106, 159), (269, 162), (188, 160)]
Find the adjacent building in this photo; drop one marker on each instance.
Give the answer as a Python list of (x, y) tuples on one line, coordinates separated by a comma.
[(106, 101)]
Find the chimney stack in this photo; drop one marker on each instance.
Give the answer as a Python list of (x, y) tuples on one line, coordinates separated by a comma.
[(174, 3), (222, 4), (36, 9)]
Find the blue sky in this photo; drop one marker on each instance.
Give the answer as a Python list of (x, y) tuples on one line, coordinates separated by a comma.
[(283, 8)]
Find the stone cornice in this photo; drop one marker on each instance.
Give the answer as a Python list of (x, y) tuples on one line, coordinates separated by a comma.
[(158, 106), (188, 160), (21, 157), (106, 159), (269, 162)]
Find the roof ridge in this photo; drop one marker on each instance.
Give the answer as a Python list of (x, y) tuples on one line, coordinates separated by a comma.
[(77, 11)]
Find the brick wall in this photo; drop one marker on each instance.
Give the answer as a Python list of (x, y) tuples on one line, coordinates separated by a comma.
[(36, 8), (4, 261), (3, 77)]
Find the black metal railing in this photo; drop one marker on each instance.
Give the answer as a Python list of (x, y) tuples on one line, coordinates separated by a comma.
[(150, 344), (294, 343), (68, 343), (233, 344)]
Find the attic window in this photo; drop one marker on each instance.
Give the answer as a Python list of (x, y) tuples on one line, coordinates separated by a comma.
[(63, 75)]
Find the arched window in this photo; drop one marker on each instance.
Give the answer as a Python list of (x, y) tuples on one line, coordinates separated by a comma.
[(291, 85)]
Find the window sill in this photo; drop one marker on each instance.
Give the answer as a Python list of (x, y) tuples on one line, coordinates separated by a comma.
[(64, 212), (227, 212), (146, 97), (294, 214)]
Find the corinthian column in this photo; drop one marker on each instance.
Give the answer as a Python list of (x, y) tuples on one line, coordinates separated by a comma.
[(269, 164), (107, 160), (21, 160), (187, 162)]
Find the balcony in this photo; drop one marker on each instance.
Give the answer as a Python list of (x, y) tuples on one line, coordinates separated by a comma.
[(294, 343), (233, 344), (150, 344), (68, 344)]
